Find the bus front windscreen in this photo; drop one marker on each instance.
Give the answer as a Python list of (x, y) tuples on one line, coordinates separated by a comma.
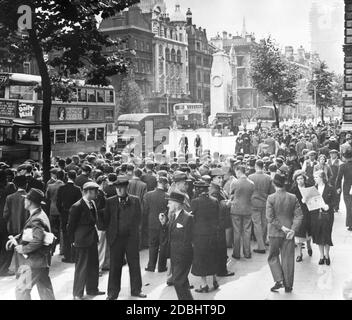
[(129, 140)]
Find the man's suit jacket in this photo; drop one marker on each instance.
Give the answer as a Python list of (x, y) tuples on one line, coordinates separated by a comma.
[(15, 214), (154, 203), (38, 253), (137, 188), (243, 190), (81, 225), (67, 195), (345, 172), (51, 197), (150, 179), (180, 238), (115, 217), (283, 209), (263, 187), (110, 190)]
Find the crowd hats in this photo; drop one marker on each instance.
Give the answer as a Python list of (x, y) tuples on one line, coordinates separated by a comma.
[(348, 154), (35, 195), (86, 168), (179, 176), (312, 153), (163, 180), (90, 186), (162, 173), (333, 151), (177, 197), (279, 180), (201, 184)]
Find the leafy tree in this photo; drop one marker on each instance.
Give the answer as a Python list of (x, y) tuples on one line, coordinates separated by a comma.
[(320, 87), (273, 76), (64, 40), (130, 96)]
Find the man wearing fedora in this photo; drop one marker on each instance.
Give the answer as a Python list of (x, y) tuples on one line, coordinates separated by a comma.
[(216, 191), (121, 219), (179, 226), (32, 253), (284, 215), (82, 230)]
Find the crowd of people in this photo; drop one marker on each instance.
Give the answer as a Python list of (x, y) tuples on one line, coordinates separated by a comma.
[(99, 210)]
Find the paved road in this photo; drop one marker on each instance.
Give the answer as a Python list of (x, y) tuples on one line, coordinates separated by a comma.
[(251, 281)]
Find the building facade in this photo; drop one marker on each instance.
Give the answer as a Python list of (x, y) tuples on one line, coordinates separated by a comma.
[(200, 63), (135, 29)]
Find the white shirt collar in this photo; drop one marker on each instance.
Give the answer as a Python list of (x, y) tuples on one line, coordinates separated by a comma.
[(177, 214)]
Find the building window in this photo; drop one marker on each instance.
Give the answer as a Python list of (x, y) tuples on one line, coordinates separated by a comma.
[(60, 136), (200, 93), (207, 94), (52, 135), (2, 92), (161, 51), (179, 56), (148, 46), (100, 134), (186, 55), (71, 135), (207, 77), (199, 60), (135, 44), (167, 54), (180, 37), (198, 46), (142, 45), (173, 55), (171, 34), (240, 61), (81, 134), (91, 134), (165, 32), (27, 67), (199, 76)]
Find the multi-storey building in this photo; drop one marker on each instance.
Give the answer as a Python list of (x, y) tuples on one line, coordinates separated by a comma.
[(170, 54), (135, 28), (200, 62)]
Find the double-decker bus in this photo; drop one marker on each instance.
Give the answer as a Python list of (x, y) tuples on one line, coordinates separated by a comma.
[(189, 115), (79, 125), (142, 133)]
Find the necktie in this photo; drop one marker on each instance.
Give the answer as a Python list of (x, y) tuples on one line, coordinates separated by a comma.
[(92, 209)]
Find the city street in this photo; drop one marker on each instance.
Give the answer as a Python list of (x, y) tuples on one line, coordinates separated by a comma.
[(252, 278)]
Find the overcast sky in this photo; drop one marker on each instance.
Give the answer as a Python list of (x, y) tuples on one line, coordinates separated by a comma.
[(286, 20)]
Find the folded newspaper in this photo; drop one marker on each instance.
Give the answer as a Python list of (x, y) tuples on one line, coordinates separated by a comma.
[(313, 198)]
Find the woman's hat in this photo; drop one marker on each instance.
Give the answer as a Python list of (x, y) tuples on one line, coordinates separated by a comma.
[(35, 195)]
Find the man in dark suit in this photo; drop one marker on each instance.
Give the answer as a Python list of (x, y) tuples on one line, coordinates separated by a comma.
[(84, 177), (149, 177), (33, 254), (154, 203), (284, 215), (67, 195), (110, 188), (179, 226), (121, 220), (15, 214), (82, 230)]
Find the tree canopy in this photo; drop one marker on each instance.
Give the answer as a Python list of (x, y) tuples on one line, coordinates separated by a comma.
[(273, 76)]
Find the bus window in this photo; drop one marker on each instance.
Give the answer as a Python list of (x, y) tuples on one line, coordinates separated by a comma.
[(28, 134), (82, 95), (109, 96), (81, 135), (72, 135), (21, 92), (52, 136), (60, 136), (100, 96), (91, 134), (91, 95), (100, 134)]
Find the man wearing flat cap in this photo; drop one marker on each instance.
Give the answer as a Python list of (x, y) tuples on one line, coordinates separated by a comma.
[(121, 220), (33, 254), (179, 226), (82, 230)]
